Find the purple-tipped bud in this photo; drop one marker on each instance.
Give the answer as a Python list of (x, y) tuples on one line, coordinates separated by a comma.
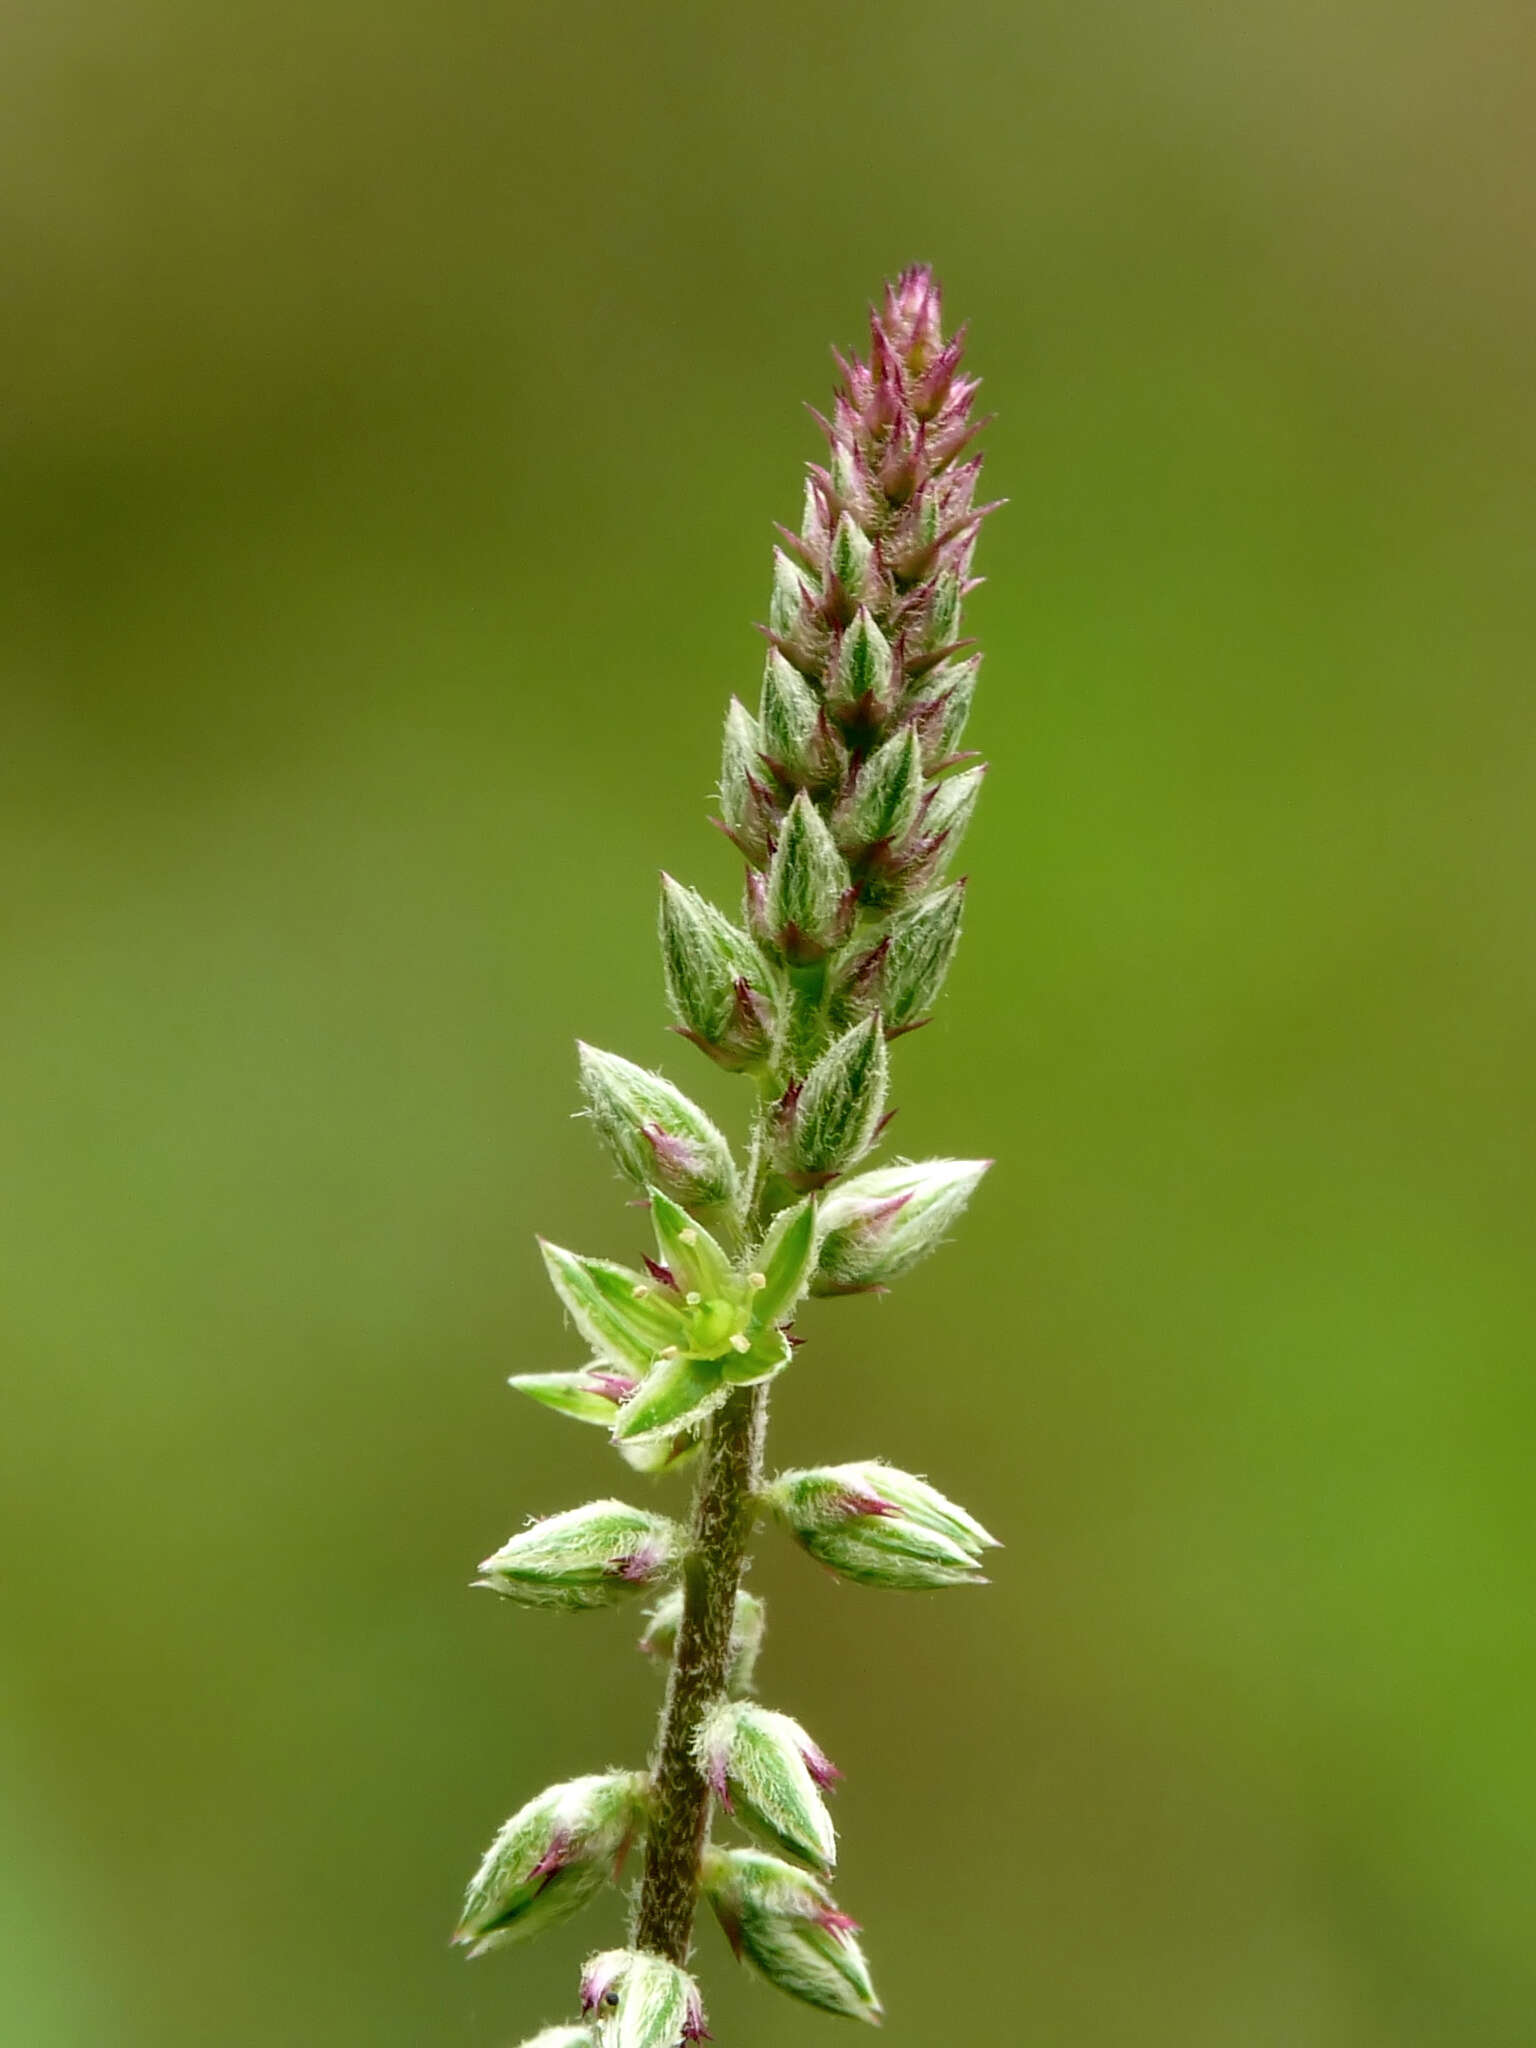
[(785, 1924), (878, 1225), (553, 1855), (879, 1526), (911, 322), (830, 1120), (590, 1556), (640, 2000), (882, 559), (766, 1771), (710, 967)]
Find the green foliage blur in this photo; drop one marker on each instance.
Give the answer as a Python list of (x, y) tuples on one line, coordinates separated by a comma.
[(396, 402)]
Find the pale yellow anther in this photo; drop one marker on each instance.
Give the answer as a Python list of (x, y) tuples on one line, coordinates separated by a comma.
[(688, 1236), (694, 1298), (670, 1352), (755, 1280), (741, 1343), (639, 1293)]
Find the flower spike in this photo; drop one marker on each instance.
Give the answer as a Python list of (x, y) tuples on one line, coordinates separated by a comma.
[(846, 787)]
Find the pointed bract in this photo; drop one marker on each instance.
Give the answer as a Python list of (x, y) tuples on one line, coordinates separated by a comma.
[(690, 1253), (623, 1314), (676, 1395), (784, 1262), (591, 1395)]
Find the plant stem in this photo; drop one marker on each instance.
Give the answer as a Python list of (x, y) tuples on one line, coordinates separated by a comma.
[(724, 1508), (722, 1522)]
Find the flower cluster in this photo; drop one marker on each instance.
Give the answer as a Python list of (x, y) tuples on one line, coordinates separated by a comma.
[(847, 792)]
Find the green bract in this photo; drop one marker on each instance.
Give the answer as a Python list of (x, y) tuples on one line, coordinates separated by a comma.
[(846, 797)]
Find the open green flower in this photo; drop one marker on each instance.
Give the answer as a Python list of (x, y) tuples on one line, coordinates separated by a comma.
[(674, 1340)]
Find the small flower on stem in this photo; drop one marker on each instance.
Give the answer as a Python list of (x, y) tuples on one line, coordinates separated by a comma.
[(766, 1771), (552, 1856), (786, 1924), (878, 1225), (880, 1527), (640, 2000), (589, 1556), (747, 1628)]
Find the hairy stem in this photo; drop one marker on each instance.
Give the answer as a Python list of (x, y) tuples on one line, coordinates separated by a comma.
[(722, 1522)]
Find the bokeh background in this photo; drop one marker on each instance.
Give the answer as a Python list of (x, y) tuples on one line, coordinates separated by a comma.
[(396, 400)]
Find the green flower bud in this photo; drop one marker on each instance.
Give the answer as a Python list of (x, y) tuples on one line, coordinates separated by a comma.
[(922, 944), (885, 798), (804, 908), (944, 617), (715, 979), (787, 719), (853, 562), (939, 716), (765, 1769), (641, 2000), (785, 1924), (655, 1133), (553, 1855), (747, 1627), (748, 814), (787, 604), (829, 1120), (589, 1556), (879, 1224), (880, 1527), (950, 809), (860, 681)]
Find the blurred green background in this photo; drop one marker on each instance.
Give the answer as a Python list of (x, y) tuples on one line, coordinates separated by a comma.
[(396, 400)]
